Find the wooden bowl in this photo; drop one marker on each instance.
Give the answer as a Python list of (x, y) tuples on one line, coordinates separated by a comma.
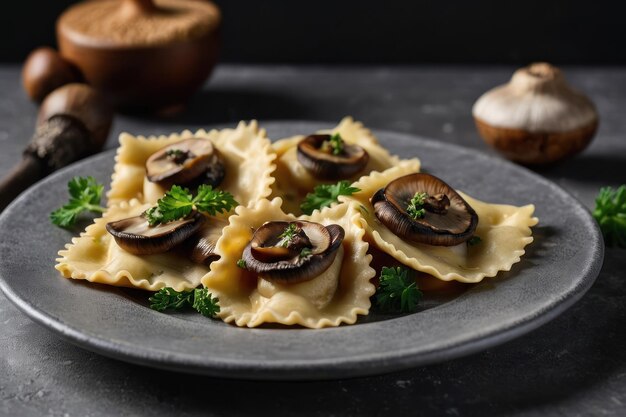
[(142, 54)]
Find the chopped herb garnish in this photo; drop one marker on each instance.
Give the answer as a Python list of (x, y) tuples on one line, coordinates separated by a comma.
[(397, 291), (85, 194), (324, 195), (242, 264), (178, 203), (415, 208), (177, 155), (610, 213), (286, 236), (474, 240), (305, 252), (200, 299), (333, 145)]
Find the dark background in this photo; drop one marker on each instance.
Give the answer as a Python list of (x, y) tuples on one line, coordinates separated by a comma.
[(368, 31)]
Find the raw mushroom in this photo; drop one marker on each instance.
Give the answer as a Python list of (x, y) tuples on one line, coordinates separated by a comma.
[(302, 256), (135, 235), (326, 165), (185, 161), (536, 118), (446, 220)]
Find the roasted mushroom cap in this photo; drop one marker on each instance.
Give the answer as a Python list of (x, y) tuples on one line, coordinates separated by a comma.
[(446, 220), (300, 256), (135, 235), (325, 164), (186, 161)]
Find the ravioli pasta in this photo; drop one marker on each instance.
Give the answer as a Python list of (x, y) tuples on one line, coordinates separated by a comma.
[(254, 170), (338, 296), (293, 181), (95, 257), (245, 151), (504, 231)]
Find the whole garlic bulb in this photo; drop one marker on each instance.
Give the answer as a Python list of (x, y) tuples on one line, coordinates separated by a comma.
[(536, 118)]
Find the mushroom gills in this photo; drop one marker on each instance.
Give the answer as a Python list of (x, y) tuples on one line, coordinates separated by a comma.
[(187, 162), (445, 217), (326, 165), (200, 247), (309, 251), (135, 235)]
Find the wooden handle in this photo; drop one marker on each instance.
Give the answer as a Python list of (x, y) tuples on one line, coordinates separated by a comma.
[(22, 176)]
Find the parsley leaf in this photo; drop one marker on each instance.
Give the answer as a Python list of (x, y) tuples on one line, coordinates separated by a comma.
[(610, 213), (305, 252), (178, 202), (168, 298), (415, 208), (200, 299), (241, 263), (474, 240), (85, 194), (205, 303), (213, 201), (324, 195), (397, 291)]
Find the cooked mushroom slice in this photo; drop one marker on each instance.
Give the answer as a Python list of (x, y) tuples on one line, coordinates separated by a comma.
[(200, 247), (328, 157), (135, 235), (423, 209), (292, 252), (186, 161)]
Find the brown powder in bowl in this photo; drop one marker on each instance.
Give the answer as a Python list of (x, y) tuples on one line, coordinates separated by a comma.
[(119, 23)]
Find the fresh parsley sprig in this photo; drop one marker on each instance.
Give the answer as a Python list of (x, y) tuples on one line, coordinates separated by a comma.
[(610, 213), (85, 195), (205, 303), (168, 298), (200, 299), (178, 202), (397, 291), (324, 195)]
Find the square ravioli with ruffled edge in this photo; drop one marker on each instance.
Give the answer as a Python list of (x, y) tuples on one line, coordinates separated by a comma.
[(273, 268), (502, 232), (244, 155), (96, 257), (346, 152)]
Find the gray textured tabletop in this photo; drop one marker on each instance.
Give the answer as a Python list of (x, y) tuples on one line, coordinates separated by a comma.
[(573, 366)]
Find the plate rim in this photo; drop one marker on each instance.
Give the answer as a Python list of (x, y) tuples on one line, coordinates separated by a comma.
[(328, 368)]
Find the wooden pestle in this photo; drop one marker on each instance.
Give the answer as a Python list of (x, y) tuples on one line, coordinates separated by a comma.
[(73, 122)]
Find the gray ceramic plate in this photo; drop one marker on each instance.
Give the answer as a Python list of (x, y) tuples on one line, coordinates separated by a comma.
[(558, 268)]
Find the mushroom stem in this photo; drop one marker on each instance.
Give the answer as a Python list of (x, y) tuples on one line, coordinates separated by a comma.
[(540, 77), (439, 203)]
